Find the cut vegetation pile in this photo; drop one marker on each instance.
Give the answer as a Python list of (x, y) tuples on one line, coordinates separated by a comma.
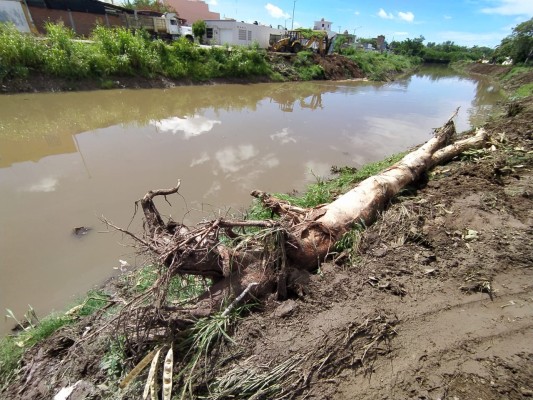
[(434, 300)]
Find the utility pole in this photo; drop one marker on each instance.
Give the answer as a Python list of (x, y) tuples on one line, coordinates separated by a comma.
[(293, 7)]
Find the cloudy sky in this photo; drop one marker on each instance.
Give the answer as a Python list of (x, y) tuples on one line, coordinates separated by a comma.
[(465, 22)]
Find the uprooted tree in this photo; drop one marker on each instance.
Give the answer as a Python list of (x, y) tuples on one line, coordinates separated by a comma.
[(281, 252)]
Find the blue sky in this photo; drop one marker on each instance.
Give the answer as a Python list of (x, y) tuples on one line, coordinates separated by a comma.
[(465, 22)]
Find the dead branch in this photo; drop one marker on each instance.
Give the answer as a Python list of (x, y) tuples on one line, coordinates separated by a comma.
[(453, 150)]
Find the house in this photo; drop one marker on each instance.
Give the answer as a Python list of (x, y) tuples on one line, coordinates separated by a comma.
[(193, 10), (323, 25), (232, 32), (381, 43)]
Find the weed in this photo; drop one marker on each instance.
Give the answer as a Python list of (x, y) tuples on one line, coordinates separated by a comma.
[(114, 359), (516, 70), (12, 347), (10, 355), (348, 244), (524, 91), (203, 337), (95, 300), (19, 52), (179, 289), (378, 66), (107, 84), (324, 191)]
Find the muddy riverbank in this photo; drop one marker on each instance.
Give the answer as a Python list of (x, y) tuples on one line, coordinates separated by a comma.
[(434, 301)]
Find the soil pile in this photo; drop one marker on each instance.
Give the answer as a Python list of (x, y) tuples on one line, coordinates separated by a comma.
[(335, 66)]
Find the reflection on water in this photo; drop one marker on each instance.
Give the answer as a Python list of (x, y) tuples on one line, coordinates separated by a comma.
[(66, 159)]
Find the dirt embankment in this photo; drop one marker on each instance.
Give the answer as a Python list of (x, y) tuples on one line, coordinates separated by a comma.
[(434, 302), (335, 67), (438, 301)]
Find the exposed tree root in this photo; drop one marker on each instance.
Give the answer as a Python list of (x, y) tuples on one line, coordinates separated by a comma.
[(232, 258)]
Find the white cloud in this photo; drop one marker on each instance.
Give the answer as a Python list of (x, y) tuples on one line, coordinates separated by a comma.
[(270, 161), (200, 160), (406, 16), (401, 33), (45, 185), (212, 2), (190, 126), (276, 12), (231, 159), (357, 13), (511, 7), (447, 17), (215, 187), (471, 39), (383, 14), (283, 136)]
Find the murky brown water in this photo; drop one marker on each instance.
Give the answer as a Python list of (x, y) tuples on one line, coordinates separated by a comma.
[(66, 159)]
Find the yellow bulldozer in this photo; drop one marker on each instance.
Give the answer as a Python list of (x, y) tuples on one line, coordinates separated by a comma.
[(296, 41)]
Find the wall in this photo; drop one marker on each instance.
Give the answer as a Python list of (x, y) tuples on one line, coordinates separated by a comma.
[(11, 11), (322, 25), (240, 33), (193, 10), (81, 23)]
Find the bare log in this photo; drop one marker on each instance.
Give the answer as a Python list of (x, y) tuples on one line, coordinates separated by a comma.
[(313, 240), (453, 150)]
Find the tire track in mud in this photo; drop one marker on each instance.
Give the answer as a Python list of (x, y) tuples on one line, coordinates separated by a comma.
[(460, 338)]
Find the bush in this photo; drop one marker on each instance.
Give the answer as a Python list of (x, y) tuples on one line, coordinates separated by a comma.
[(19, 53), (377, 66)]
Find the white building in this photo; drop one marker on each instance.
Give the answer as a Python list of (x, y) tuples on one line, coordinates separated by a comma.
[(323, 25), (233, 32)]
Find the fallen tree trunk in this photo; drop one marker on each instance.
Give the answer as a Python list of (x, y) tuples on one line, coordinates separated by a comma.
[(302, 238), (313, 238)]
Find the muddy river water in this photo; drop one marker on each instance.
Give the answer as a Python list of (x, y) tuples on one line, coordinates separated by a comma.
[(66, 159)]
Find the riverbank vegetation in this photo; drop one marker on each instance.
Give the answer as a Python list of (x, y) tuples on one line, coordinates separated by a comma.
[(120, 52), (113, 53)]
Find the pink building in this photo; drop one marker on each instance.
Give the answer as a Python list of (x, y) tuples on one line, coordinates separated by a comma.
[(192, 10)]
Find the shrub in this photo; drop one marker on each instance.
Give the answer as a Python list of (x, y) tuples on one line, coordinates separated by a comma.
[(19, 52)]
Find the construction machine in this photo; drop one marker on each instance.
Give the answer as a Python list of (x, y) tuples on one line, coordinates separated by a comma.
[(296, 41)]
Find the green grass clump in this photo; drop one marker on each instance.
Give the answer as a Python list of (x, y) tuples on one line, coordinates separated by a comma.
[(377, 66), (95, 300), (515, 71), (13, 347), (324, 191), (306, 68), (10, 355), (180, 288), (524, 91)]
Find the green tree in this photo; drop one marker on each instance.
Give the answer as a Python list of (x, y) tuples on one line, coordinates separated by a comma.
[(198, 29), (518, 45), (152, 5), (523, 41), (410, 47)]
